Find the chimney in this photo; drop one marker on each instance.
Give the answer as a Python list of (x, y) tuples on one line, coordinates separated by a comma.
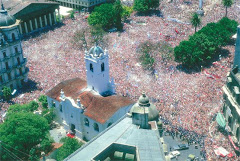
[(237, 49)]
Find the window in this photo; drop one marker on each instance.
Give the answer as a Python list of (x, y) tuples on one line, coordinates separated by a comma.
[(20, 71), (1, 79), (109, 124), (2, 42), (96, 128), (4, 54), (60, 108), (16, 50), (86, 122), (91, 67), (18, 60), (13, 37), (9, 76), (7, 67), (102, 67)]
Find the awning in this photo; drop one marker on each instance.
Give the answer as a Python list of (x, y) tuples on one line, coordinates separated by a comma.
[(220, 120)]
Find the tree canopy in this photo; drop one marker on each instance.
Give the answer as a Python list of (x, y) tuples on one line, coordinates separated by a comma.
[(23, 131), (103, 15), (69, 146), (6, 93), (145, 5), (205, 44)]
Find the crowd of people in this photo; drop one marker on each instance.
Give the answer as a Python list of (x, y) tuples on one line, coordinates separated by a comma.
[(186, 100)]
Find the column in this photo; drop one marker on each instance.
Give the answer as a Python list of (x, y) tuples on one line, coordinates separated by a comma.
[(20, 28), (59, 17), (31, 27), (40, 20), (26, 29), (36, 25), (50, 19), (45, 19), (54, 17)]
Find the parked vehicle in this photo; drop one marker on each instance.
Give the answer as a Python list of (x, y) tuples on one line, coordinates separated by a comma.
[(181, 147), (173, 154)]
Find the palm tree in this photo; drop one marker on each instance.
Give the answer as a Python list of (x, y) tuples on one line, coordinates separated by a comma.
[(227, 3), (195, 21)]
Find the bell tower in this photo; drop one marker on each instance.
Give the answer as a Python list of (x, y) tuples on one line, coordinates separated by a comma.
[(97, 70)]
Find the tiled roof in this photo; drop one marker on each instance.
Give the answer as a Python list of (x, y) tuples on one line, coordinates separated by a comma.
[(72, 88), (98, 108), (102, 108)]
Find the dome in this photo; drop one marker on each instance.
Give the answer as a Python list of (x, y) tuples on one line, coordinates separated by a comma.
[(96, 50), (5, 18), (143, 100), (144, 106)]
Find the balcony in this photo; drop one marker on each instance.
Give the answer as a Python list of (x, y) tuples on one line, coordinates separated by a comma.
[(7, 44)]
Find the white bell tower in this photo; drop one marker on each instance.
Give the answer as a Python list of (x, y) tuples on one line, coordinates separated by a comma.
[(97, 69)]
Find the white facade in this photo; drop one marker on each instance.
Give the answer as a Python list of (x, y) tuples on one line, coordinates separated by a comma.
[(70, 114)]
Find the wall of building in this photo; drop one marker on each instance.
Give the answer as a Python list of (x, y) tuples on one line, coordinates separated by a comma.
[(12, 63)]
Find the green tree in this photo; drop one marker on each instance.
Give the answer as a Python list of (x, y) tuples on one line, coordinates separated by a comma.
[(140, 5), (30, 107), (23, 131), (6, 93), (69, 146), (118, 14), (145, 5), (183, 53), (103, 15), (43, 100), (49, 115), (195, 21), (126, 12), (226, 4), (230, 25)]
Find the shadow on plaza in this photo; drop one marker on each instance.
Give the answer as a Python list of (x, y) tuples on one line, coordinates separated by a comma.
[(222, 53), (156, 12), (39, 32)]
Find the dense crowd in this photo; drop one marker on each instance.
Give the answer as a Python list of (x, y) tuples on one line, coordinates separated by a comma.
[(187, 100)]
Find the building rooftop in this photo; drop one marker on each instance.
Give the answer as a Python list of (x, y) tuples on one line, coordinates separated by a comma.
[(124, 132), (98, 108)]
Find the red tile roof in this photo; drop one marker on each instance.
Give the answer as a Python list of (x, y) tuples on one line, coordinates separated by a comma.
[(98, 108), (72, 88)]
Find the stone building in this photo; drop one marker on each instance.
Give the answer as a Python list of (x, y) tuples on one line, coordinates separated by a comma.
[(12, 63), (231, 108), (89, 107), (79, 4), (134, 137), (33, 14)]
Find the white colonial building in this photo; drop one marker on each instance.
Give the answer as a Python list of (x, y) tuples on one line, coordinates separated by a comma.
[(88, 107)]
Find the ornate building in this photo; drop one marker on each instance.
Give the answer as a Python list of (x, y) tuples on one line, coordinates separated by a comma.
[(12, 63), (231, 108), (33, 14), (88, 107)]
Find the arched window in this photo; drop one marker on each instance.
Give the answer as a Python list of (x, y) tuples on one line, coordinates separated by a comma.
[(1, 41), (95, 125), (86, 122), (20, 71), (91, 67), (109, 124), (13, 37), (102, 67)]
